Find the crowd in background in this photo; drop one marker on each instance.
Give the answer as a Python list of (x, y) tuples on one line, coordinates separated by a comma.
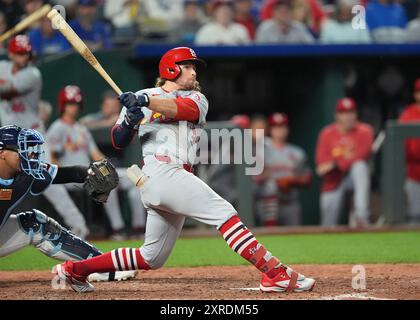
[(105, 24)]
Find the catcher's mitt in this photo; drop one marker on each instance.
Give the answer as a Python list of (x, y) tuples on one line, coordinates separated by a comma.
[(101, 179)]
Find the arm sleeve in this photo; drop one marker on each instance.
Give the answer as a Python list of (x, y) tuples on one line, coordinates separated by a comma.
[(187, 110), (38, 186), (121, 133), (71, 174), (195, 100)]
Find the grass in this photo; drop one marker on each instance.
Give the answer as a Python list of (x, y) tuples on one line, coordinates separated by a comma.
[(390, 247)]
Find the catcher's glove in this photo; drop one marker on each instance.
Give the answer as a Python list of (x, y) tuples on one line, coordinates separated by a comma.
[(101, 179)]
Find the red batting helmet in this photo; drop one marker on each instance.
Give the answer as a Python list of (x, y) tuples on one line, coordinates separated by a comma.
[(278, 119), (168, 65), (69, 94), (20, 44)]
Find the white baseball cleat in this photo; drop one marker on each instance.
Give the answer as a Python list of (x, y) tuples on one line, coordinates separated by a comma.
[(112, 276), (78, 283), (286, 281)]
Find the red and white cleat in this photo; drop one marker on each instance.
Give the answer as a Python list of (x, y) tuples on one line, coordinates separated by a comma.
[(78, 283), (286, 281)]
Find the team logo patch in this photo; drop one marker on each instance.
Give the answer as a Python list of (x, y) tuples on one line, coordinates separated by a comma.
[(6, 194), (193, 53)]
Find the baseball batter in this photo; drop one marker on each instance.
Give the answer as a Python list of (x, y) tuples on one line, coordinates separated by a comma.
[(342, 152), (71, 143), (22, 171), (173, 115), (20, 90), (285, 170)]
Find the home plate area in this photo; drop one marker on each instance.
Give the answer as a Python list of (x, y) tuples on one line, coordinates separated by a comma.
[(334, 282)]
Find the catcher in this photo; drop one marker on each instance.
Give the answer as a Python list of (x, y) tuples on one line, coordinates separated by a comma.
[(22, 171)]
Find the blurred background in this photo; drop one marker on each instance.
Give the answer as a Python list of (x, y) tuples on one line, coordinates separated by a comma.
[(282, 66)]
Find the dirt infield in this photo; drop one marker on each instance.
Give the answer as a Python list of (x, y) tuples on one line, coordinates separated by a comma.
[(383, 281)]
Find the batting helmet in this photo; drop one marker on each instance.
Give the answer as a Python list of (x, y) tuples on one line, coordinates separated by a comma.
[(278, 119), (168, 65), (28, 144), (20, 44), (69, 94)]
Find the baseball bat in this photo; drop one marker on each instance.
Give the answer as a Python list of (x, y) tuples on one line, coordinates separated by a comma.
[(137, 176), (29, 20), (77, 43)]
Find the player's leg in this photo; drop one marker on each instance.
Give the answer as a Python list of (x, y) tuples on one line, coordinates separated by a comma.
[(412, 189), (162, 231), (34, 228), (331, 203), (58, 196), (201, 203), (360, 179)]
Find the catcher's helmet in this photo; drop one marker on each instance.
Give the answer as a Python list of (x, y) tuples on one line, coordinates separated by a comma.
[(69, 94), (20, 44), (278, 119), (168, 65), (28, 144)]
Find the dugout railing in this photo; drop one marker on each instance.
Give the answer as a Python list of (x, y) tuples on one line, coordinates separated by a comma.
[(393, 170)]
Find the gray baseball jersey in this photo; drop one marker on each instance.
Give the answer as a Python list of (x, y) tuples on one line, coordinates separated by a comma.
[(73, 143), (161, 136), (21, 110), (287, 161)]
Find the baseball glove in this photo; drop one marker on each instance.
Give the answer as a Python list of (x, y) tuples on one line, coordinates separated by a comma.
[(102, 178)]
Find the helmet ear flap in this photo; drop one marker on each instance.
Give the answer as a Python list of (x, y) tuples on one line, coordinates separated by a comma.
[(174, 71)]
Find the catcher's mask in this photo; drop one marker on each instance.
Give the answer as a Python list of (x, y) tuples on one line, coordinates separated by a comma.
[(31, 153)]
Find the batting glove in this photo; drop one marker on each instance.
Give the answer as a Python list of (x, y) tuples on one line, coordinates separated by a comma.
[(133, 116), (130, 99)]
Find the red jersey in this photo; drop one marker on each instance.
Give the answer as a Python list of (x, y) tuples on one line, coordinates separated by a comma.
[(344, 149), (412, 145)]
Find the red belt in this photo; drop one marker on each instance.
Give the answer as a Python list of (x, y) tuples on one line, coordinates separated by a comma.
[(167, 159)]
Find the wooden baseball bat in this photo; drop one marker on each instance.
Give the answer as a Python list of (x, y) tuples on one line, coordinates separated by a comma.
[(29, 20), (60, 23)]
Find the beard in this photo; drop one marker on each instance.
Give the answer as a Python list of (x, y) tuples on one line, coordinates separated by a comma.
[(192, 86)]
